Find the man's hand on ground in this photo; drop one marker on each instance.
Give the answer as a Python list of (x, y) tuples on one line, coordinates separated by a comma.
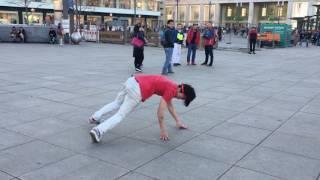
[(179, 125), (164, 136)]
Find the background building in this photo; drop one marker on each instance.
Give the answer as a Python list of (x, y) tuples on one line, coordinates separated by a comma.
[(92, 12), (240, 12)]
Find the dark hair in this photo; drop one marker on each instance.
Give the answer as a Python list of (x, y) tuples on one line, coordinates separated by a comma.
[(169, 21), (189, 93)]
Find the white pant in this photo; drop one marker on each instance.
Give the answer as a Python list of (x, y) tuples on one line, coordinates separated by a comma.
[(127, 99), (176, 56)]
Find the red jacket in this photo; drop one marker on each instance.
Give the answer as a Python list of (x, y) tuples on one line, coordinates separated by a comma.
[(253, 34), (190, 36)]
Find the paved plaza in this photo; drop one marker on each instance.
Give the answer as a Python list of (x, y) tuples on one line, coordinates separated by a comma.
[(256, 117)]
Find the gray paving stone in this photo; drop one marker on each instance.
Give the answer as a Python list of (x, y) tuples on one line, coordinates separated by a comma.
[(19, 117), (76, 167), (256, 120), (43, 127), (239, 133), (78, 139), (197, 119), (177, 165), (54, 108), (127, 153), (152, 135), (216, 148), (303, 124), (4, 176), (9, 139), (136, 176), (30, 156), (237, 173), (272, 112), (283, 165), (312, 107), (239, 81), (305, 146)]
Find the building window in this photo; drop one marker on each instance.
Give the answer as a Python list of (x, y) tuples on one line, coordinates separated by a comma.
[(110, 3), (7, 17), (264, 12), (300, 9), (280, 11), (33, 18), (170, 12), (92, 2), (125, 4), (243, 12), (182, 13), (229, 12), (195, 13), (208, 17)]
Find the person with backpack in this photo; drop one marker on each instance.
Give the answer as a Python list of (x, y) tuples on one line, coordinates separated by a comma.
[(179, 38), (193, 40), (167, 41), (209, 37)]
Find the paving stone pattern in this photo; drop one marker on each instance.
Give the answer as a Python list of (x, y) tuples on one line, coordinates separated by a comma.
[(256, 117)]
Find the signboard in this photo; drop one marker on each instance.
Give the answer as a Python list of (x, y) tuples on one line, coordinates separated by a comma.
[(284, 30), (66, 25)]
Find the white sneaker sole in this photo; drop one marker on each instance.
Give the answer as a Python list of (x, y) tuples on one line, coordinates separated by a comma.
[(94, 137)]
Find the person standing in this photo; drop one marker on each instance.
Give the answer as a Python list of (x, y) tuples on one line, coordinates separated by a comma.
[(138, 52), (253, 35), (176, 56), (193, 40), (209, 40), (138, 89), (60, 33), (168, 44)]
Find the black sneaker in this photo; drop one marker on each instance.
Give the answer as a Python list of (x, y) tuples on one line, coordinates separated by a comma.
[(138, 70), (204, 64), (254, 52)]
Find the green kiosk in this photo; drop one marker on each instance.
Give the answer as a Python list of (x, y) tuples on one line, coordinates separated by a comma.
[(284, 30)]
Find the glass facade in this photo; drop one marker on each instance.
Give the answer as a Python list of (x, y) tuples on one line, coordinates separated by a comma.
[(271, 12), (208, 17), (170, 12), (195, 13), (9, 17), (33, 18), (182, 13)]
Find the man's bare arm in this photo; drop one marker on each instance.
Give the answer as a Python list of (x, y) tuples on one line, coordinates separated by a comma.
[(163, 132), (175, 116)]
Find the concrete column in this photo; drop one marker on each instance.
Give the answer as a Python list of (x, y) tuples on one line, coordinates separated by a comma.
[(188, 14), (117, 4), (217, 12), (251, 13), (289, 11), (201, 13), (310, 8), (57, 4)]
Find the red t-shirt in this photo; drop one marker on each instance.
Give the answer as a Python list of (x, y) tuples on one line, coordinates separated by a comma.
[(157, 84)]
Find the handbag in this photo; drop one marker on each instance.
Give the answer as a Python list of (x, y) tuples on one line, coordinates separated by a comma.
[(136, 42)]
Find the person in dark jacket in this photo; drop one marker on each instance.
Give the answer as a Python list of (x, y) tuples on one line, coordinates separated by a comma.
[(52, 36), (253, 35), (193, 40), (168, 46), (138, 52), (209, 37)]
